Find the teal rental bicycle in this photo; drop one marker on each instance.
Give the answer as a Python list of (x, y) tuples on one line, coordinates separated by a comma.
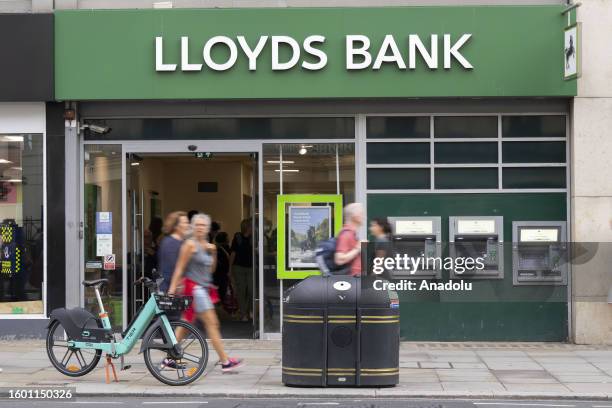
[(76, 339)]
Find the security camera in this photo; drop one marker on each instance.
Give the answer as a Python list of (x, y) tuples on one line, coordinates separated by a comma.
[(192, 148), (102, 130)]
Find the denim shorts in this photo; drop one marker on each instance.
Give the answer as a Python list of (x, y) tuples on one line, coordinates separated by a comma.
[(201, 299)]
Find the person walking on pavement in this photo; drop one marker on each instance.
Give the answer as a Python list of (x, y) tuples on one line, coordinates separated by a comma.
[(176, 229), (195, 266), (348, 246), (241, 269)]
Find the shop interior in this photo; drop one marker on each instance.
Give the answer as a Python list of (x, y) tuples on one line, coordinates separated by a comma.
[(223, 185)]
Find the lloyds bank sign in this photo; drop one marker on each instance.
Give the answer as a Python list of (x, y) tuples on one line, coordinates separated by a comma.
[(437, 51), (310, 53)]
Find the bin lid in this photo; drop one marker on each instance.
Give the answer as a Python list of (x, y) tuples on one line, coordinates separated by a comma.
[(338, 291), (323, 291)]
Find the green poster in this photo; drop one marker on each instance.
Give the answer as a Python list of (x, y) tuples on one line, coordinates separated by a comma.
[(303, 221)]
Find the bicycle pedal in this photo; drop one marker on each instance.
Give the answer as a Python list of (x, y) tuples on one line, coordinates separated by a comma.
[(127, 367)]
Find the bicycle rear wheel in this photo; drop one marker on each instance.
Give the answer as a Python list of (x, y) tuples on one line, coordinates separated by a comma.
[(188, 368), (70, 361)]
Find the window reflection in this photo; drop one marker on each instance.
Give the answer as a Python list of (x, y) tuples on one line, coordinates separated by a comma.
[(301, 168), (21, 224)]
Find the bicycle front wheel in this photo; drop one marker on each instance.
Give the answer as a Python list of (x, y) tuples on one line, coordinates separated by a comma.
[(193, 356)]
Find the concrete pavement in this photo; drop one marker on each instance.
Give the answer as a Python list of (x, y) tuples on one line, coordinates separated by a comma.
[(488, 370)]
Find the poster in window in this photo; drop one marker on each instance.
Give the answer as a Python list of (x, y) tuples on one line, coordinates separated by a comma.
[(308, 225)]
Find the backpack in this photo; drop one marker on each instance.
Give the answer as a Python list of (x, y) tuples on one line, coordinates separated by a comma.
[(324, 256)]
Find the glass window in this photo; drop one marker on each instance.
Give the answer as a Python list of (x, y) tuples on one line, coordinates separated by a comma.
[(465, 126), (398, 153), (533, 126), (409, 127), (224, 128), (463, 178), (473, 152), (534, 177), (306, 169), (533, 152), (21, 224), (103, 236), (391, 179)]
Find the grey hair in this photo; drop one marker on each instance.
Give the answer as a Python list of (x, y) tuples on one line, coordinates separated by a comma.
[(351, 209), (199, 216)]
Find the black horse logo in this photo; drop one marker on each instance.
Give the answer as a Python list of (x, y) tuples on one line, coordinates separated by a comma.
[(570, 51)]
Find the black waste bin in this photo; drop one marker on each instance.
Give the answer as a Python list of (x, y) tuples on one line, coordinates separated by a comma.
[(340, 331)]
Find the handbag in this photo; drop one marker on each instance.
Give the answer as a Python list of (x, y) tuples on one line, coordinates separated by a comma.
[(230, 304)]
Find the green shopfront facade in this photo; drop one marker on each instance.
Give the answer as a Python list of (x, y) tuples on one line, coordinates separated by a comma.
[(418, 111)]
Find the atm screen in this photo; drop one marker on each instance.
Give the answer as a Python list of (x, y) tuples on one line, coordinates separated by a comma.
[(412, 227), (539, 235)]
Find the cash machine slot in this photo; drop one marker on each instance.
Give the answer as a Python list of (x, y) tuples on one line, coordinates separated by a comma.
[(478, 238), (417, 237), (539, 253)]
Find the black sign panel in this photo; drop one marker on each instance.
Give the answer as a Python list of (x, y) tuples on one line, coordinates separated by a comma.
[(26, 55)]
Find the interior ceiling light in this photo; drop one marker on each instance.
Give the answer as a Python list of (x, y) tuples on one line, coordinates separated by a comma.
[(4, 161), (288, 170), (304, 149), (279, 162), (135, 163), (13, 138), (14, 180)]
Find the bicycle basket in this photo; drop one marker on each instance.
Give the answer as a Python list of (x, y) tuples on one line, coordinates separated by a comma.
[(173, 303)]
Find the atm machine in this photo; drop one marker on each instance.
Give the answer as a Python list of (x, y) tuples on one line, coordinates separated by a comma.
[(418, 237), (539, 253), (478, 237)]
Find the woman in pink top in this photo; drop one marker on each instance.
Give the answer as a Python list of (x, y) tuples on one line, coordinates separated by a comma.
[(348, 246)]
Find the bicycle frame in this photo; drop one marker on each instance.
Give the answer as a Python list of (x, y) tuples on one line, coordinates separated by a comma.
[(136, 329)]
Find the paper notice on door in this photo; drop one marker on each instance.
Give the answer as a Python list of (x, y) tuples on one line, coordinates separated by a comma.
[(104, 244)]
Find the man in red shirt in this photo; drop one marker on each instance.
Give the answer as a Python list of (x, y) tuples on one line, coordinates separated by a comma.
[(348, 246)]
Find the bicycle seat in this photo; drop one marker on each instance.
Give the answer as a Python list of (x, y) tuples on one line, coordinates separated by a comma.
[(94, 282)]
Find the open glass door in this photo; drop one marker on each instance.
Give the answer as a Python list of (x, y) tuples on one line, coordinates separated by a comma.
[(254, 210), (102, 225), (135, 235)]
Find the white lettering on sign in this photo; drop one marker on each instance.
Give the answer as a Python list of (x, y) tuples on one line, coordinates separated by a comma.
[(310, 55), (252, 54), (277, 40), (220, 39)]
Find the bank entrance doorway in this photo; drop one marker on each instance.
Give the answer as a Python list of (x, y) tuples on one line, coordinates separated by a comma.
[(127, 184), (129, 189), (222, 185)]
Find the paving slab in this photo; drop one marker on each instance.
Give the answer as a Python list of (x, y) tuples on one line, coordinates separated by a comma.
[(536, 387), (479, 386), (434, 364)]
